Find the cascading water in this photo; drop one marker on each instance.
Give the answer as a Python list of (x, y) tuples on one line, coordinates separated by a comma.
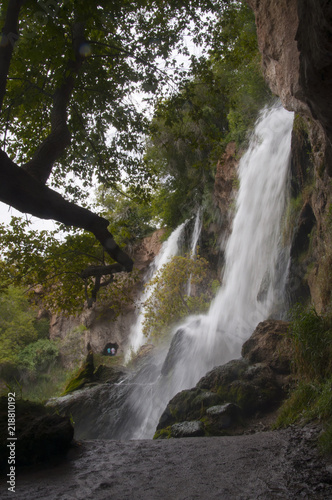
[(254, 275), (194, 240), (196, 232), (169, 248)]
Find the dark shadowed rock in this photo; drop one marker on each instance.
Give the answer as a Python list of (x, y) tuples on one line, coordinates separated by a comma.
[(40, 436), (223, 375), (187, 405), (221, 417), (178, 347)]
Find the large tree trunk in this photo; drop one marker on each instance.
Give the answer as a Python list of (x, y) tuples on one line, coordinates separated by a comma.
[(25, 193)]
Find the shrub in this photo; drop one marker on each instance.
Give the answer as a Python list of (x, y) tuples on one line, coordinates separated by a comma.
[(170, 299), (311, 337), (39, 356)]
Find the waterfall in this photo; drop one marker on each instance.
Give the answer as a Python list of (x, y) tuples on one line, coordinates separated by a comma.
[(169, 248), (196, 232), (194, 241), (253, 279)]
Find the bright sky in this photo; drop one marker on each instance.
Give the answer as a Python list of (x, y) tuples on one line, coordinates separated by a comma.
[(7, 212)]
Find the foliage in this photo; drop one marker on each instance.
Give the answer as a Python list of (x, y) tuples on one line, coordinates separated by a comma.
[(311, 336), (186, 136), (236, 56), (184, 145), (218, 104), (32, 258), (121, 45), (42, 327), (16, 324), (130, 218), (169, 300), (38, 356)]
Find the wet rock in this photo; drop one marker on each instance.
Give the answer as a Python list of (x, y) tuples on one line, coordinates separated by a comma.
[(223, 375), (269, 344), (40, 436), (108, 407), (221, 417), (144, 352), (84, 376), (187, 405), (227, 396), (187, 429), (225, 179), (175, 353), (109, 374), (256, 390)]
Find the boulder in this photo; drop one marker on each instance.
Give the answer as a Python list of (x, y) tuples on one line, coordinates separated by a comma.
[(222, 417), (187, 429), (229, 396), (178, 346), (187, 405), (268, 344), (40, 436)]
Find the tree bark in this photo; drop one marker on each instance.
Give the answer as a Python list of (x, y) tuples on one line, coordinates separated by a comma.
[(55, 144), (9, 37), (25, 193)]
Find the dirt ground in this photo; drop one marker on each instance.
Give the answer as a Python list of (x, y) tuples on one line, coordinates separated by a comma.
[(265, 465)]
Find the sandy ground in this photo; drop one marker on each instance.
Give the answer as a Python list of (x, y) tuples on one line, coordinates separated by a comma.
[(266, 465)]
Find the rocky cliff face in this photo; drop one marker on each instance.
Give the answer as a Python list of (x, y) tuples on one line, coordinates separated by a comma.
[(225, 181), (294, 38)]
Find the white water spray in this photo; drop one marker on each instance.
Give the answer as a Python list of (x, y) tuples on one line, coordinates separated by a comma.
[(254, 276), (170, 248), (194, 241)]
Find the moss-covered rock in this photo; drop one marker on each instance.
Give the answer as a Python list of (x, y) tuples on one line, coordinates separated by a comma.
[(219, 419), (163, 433), (229, 395), (84, 376), (270, 344), (222, 376), (188, 405), (109, 374)]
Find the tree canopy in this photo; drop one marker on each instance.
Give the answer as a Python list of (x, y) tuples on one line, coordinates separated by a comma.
[(70, 75), (69, 72)]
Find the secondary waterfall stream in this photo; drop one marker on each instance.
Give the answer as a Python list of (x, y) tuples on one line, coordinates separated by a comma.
[(169, 249), (255, 272)]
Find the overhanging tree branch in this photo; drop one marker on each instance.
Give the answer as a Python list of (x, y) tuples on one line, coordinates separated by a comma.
[(25, 193)]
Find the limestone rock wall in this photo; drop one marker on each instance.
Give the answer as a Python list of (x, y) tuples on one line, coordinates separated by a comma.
[(295, 41)]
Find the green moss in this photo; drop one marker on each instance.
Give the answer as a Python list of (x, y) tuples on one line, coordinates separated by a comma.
[(163, 433), (325, 440), (211, 429), (300, 124), (298, 406), (84, 376)]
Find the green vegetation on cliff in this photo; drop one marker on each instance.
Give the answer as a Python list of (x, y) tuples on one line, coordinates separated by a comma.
[(311, 399), (170, 298)]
